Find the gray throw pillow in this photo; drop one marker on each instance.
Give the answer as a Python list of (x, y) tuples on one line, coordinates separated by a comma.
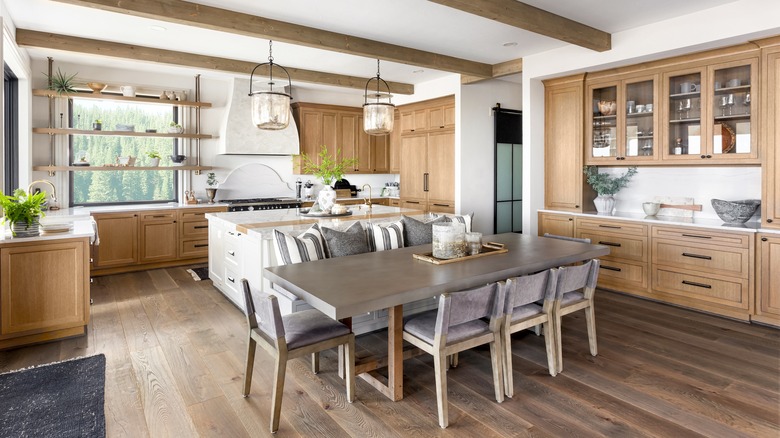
[(417, 232), (348, 242)]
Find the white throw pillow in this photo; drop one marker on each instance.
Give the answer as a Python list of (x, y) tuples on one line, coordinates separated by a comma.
[(465, 219), (308, 246), (382, 237)]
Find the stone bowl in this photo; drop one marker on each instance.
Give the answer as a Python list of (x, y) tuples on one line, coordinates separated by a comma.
[(735, 212)]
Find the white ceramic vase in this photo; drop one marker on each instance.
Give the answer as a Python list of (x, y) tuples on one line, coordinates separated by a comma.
[(154, 162), (604, 204), (326, 198)]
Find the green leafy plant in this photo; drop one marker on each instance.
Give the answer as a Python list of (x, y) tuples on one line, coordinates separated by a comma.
[(153, 154), (328, 169), (98, 121), (61, 83), (22, 207), (174, 125), (211, 179), (606, 184)]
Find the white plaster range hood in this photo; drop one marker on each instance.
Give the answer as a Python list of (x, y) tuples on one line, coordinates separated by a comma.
[(238, 135)]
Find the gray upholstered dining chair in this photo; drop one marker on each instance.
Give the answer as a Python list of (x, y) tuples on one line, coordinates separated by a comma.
[(288, 337), (522, 312), (456, 326), (576, 286)]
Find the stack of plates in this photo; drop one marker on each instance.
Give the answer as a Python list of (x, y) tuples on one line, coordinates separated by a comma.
[(56, 228)]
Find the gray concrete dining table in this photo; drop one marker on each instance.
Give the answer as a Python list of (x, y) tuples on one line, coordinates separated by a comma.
[(349, 286)]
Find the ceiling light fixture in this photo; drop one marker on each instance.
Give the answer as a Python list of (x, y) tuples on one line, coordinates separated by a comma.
[(270, 109), (378, 116)]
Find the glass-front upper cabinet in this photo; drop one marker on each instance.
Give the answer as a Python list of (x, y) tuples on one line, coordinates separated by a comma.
[(709, 114), (622, 122)]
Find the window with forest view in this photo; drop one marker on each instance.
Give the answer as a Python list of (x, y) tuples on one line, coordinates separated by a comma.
[(121, 186)]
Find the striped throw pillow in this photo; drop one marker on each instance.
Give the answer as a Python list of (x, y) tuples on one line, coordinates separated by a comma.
[(308, 246), (382, 237), (465, 219)]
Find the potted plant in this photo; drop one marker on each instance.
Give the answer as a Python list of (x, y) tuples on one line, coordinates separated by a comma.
[(23, 211), (211, 190), (61, 83), (97, 125), (327, 170), (155, 158), (606, 186), (175, 128)]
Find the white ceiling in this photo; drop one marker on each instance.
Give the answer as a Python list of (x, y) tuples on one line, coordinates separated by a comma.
[(413, 23)]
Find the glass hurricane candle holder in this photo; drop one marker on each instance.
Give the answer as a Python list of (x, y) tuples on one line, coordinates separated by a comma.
[(449, 240)]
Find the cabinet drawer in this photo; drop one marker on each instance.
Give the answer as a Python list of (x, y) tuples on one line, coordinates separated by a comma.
[(609, 226), (620, 246), (722, 260), (193, 228), (621, 276), (192, 214), (699, 235), (194, 248), (232, 251), (441, 207), (709, 289), (158, 215), (232, 287)]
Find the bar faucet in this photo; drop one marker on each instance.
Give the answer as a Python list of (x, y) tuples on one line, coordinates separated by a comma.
[(367, 201), (53, 206)]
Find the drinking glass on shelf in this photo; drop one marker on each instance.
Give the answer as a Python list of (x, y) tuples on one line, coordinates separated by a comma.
[(746, 102), (730, 102), (722, 104), (685, 105)]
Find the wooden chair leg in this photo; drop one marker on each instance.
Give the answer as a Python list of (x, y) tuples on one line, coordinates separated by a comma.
[(315, 362), (349, 349), (250, 365), (453, 363), (440, 368), (341, 360), (558, 344), (551, 347), (276, 402), (590, 319), (509, 388), (496, 362), (537, 329)]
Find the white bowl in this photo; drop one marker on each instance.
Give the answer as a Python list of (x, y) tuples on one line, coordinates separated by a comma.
[(651, 208)]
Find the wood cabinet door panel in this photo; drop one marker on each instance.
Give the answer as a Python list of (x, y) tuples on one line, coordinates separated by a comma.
[(159, 241), (611, 226), (43, 287), (118, 239), (191, 229), (413, 166), (556, 224), (768, 281), (698, 235), (770, 132), (622, 276), (703, 258), (194, 248), (380, 153), (441, 166), (620, 247), (724, 291)]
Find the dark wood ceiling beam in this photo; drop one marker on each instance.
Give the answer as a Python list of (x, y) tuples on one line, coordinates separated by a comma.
[(536, 20), (31, 38), (207, 17)]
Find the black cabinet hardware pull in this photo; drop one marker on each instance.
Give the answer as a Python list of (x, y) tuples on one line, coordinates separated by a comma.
[(764, 239), (441, 205), (571, 219), (696, 256), (601, 242), (769, 221), (201, 226), (693, 283), (611, 268), (232, 253), (200, 245), (231, 279), (609, 226), (697, 236), (157, 217)]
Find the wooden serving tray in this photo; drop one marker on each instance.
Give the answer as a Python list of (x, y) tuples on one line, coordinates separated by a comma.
[(489, 248)]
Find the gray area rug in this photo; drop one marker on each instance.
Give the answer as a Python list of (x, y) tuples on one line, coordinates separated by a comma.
[(63, 399), (199, 274)]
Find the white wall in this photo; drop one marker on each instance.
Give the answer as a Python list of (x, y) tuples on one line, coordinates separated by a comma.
[(725, 25), (477, 148)]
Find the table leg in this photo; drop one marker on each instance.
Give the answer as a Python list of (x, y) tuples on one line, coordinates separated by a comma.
[(395, 354), (347, 322)]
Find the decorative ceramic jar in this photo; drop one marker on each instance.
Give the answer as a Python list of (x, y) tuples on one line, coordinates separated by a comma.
[(604, 204), (449, 240), (326, 198)]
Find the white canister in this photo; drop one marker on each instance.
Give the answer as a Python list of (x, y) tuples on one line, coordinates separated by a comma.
[(127, 90), (449, 240)]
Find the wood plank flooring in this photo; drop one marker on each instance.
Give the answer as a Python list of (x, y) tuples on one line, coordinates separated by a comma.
[(175, 350)]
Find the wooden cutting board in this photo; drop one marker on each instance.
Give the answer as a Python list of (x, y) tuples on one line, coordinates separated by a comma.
[(676, 206)]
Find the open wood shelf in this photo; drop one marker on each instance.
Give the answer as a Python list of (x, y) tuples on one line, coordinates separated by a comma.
[(102, 96), (70, 131), (120, 168)]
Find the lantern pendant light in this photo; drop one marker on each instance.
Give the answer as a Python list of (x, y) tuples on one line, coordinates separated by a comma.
[(378, 116), (270, 109)]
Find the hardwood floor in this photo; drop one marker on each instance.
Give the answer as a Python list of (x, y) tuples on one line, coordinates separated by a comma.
[(175, 350)]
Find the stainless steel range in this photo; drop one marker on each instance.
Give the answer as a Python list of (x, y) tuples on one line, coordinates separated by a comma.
[(253, 204)]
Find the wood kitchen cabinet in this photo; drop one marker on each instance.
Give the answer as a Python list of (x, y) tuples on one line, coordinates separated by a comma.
[(118, 239), (767, 308), (430, 115), (194, 232), (564, 183), (427, 171), (627, 266), (395, 145), (44, 290), (770, 132), (557, 224), (159, 236)]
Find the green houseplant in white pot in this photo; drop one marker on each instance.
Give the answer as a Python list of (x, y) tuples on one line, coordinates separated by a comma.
[(328, 170), (23, 211), (606, 186), (154, 158)]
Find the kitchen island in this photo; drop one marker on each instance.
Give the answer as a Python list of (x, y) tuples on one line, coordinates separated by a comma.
[(240, 246)]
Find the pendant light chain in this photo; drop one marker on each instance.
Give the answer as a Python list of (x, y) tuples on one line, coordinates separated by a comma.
[(271, 64)]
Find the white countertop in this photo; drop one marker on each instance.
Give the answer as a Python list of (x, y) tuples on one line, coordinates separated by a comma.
[(81, 228), (716, 224), (78, 212)]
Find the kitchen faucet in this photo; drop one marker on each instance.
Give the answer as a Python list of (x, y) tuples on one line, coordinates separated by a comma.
[(363, 189), (53, 192)]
